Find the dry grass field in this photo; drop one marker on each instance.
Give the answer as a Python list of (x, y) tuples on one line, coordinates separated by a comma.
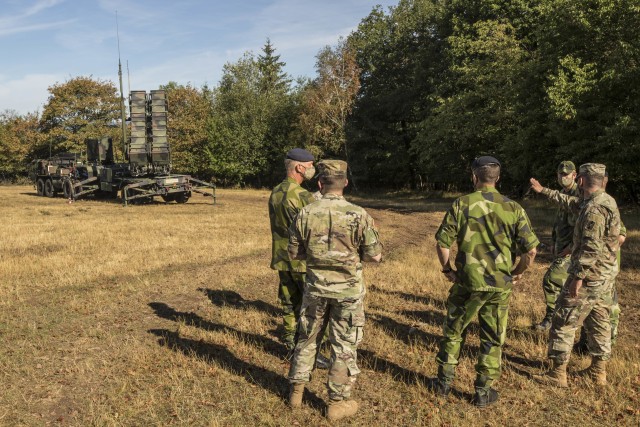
[(167, 315)]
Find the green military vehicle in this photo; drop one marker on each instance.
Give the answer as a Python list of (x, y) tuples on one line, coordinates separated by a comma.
[(145, 175)]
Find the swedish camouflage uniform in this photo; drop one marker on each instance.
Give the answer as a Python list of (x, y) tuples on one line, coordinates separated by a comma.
[(489, 230), (561, 236), (594, 261), (286, 200), (333, 236)]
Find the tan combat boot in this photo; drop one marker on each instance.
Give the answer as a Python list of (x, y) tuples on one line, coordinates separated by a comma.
[(598, 371), (341, 409), (295, 395), (556, 376)]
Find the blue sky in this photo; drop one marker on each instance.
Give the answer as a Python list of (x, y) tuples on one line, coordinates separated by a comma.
[(187, 41)]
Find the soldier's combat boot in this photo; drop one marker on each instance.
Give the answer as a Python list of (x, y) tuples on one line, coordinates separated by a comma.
[(295, 395), (556, 376), (338, 409), (441, 388), (484, 398), (598, 371), (545, 325)]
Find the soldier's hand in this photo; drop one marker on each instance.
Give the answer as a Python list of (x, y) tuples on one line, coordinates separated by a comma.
[(535, 185), (515, 279), (574, 287)]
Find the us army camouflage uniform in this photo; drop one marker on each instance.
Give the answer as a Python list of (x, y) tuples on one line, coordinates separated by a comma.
[(562, 236), (489, 229), (574, 204), (287, 199), (593, 259), (333, 234)]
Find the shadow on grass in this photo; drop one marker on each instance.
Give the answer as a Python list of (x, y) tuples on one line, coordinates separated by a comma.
[(423, 299), (263, 343), (225, 297)]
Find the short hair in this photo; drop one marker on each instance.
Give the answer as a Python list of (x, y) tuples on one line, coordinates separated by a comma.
[(290, 165), (488, 174), (593, 180), (332, 182)]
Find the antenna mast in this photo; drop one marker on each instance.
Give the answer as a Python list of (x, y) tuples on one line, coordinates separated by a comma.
[(123, 117)]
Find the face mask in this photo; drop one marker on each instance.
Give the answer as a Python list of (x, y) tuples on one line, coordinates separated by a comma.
[(309, 173), (565, 181)]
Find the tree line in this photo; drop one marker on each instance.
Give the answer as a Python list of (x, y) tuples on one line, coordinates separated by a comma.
[(409, 98)]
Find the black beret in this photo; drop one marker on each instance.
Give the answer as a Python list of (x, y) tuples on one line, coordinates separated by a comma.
[(483, 161), (300, 155)]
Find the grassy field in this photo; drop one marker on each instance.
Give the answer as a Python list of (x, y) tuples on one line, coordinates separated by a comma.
[(168, 315)]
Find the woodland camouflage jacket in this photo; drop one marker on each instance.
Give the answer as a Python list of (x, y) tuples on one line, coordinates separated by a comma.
[(287, 199), (489, 229)]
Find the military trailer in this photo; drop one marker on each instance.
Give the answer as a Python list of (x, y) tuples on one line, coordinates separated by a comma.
[(145, 175)]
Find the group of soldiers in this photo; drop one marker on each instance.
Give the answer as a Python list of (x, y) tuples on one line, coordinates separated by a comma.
[(320, 241)]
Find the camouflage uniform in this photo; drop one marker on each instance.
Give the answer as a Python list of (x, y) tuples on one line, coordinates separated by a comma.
[(333, 235), (593, 259), (573, 204), (287, 199), (561, 236), (489, 228)]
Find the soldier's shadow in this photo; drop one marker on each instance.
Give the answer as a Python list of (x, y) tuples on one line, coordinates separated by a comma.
[(423, 299), (225, 297)]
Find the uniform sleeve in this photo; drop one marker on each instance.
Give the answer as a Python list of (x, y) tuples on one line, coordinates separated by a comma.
[(296, 248), (448, 231), (526, 239), (567, 202), (295, 204), (370, 244), (591, 244)]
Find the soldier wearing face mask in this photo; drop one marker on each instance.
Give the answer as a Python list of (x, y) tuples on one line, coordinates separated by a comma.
[(287, 199), (561, 237)]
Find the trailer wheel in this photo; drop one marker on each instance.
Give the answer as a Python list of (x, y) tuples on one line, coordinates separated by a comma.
[(40, 187), (67, 189), (168, 198), (48, 188), (182, 197)]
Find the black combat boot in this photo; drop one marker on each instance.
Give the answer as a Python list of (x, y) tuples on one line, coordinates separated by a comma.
[(440, 388), (484, 398)]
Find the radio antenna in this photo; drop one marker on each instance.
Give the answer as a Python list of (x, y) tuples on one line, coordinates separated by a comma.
[(123, 117)]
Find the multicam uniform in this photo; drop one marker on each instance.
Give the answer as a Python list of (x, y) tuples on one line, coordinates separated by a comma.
[(562, 237), (287, 199), (489, 228), (573, 204), (594, 259), (333, 235)]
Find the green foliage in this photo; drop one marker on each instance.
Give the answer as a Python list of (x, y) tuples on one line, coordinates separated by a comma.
[(78, 109), (18, 138)]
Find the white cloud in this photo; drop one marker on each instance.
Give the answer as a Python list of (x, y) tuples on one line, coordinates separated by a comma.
[(28, 93), (19, 22)]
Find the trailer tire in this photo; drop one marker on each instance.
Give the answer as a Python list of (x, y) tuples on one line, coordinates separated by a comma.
[(40, 187), (182, 197), (49, 191), (67, 189)]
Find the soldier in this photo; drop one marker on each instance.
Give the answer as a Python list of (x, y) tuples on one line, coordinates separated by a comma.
[(489, 229), (587, 293), (334, 236), (287, 199), (561, 238)]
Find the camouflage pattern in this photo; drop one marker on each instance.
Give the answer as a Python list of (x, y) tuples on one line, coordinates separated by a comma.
[(287, 199), (615, 308), (284, 204), (562, 238), (489, 228), (594, 260), (333, 234), (492, 309), (290, 294), (345, 323)]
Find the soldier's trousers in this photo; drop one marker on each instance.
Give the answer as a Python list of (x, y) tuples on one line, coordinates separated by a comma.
[(553, 282), (345, 321), (492, 309), (592, 307), (290, 293), (615, 316)]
